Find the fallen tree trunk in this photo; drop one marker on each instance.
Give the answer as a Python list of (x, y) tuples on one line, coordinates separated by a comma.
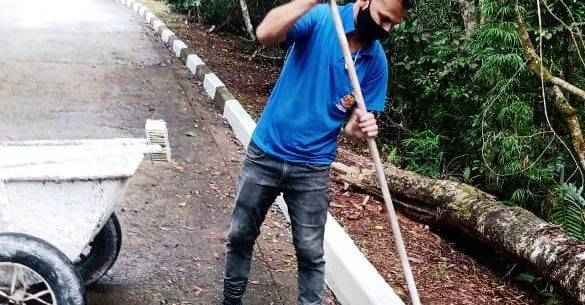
[(479, 216)]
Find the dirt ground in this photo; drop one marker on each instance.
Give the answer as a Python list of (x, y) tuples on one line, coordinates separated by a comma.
[(446, 273)]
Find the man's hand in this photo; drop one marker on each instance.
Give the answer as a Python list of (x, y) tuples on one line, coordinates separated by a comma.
[(361, 125)]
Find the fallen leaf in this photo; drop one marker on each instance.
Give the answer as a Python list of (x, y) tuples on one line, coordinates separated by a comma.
[(366, 199), (415, 260), (336, 205)]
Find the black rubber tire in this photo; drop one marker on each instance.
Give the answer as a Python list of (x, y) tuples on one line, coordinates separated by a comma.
[(104, 252), (50, 263)]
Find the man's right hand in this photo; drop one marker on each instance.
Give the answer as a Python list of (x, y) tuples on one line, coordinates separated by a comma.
[(361, 125)]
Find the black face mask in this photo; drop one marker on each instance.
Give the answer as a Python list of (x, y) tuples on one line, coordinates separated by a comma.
[(367, 29)]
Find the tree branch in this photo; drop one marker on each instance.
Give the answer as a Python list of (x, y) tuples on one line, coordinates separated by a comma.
[(534, 62)]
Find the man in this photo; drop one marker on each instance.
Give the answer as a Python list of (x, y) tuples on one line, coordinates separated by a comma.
[(295, 140)]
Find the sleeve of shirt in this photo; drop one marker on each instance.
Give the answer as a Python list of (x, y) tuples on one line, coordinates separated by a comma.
[(305, 25), (376, 86)]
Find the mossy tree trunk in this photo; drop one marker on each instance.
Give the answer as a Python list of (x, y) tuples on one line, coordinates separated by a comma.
[(480, 216)]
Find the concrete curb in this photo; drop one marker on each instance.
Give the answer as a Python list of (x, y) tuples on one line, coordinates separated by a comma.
[(351, 277)]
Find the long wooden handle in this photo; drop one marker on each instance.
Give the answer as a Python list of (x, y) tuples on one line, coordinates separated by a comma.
[(376, 156)]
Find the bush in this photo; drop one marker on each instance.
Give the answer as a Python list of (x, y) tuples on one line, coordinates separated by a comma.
[(225, 13)]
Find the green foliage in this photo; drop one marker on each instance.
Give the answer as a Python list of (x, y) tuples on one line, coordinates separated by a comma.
[(185, 4), (423, 154), (392, 155), (478, 96), (211, 11), (544, 289), (569, 210), (435, 14), (226, 13)]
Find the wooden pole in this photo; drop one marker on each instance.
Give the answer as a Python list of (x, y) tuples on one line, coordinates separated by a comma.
[(376, 156)]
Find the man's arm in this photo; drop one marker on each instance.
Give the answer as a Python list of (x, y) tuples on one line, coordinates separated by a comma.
[(361, 125), (275, 26)]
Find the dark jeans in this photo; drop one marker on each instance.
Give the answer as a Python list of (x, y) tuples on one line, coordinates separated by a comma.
[(304, 187)]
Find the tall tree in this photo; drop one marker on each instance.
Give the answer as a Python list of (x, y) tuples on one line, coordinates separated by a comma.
[(247, 20), (469, 13)]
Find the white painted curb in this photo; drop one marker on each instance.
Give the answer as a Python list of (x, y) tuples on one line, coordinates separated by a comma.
[(156, 24), (211, 82), (178, 46), (136, 6), (350, 275), (148, 16), (240, 121), (166, 35), (193, 61), (141, 10)]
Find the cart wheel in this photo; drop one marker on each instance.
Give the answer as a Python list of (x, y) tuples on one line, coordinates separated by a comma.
[(102, 252), (32, 272)]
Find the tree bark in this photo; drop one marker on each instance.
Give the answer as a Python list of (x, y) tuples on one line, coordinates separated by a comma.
[(469, 15), (480, 216), (572, 121), (247, 20)]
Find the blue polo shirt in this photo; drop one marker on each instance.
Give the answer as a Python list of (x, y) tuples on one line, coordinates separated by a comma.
[(306, 109)]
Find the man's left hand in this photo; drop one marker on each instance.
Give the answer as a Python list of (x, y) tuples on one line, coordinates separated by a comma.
[(362, 125)]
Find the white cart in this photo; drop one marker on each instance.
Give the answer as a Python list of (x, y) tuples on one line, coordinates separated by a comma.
[(58, 230)]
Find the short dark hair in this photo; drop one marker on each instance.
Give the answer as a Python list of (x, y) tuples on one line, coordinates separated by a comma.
[(407, 4)]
